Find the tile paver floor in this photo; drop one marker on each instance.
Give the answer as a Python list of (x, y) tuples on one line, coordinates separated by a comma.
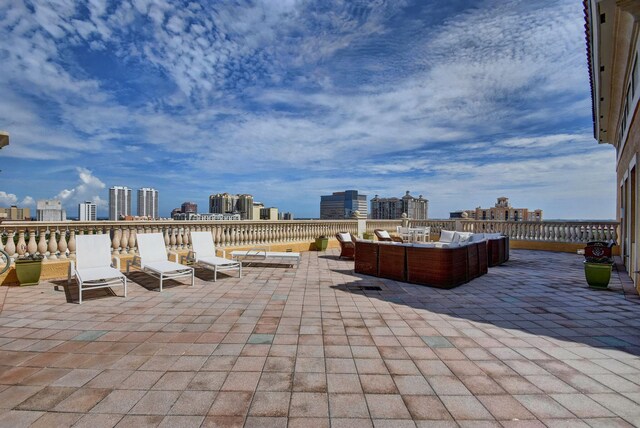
[(528, 344)]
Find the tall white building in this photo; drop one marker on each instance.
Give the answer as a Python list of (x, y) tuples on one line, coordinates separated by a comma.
[(148, 202), (119, 202), (87, 211), (50, 210)]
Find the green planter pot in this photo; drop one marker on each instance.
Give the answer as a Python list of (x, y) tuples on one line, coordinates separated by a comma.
[(321, 244), (28, 271), (598, 274), (368, 236)]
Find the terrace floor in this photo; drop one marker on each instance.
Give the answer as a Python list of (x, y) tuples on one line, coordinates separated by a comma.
[(526, 345)]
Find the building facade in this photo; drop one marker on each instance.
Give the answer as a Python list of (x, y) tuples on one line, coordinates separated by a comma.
[(613, 33), (269, 213), (119, 202), (15, 213), (148, 202), (285, 216), (189, 207), (225, 203), (341, 205), (393, 208), (87, 211), (502, 210), (50, 210)]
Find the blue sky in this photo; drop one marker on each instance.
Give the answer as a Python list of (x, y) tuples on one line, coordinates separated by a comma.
[(288, 100)]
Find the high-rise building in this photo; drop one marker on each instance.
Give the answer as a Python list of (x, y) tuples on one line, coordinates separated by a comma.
[(50, 210), (341, 205), (502, 210), (189, 208), (225, 203), (87, 211), (285, 216), (244, 206), (222, 203), (393, 208), (613, 47), (119, 202), (15, 213), (148, 202)]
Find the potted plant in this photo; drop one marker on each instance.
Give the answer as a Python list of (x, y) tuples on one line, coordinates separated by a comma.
[(598, 264), (28, 269), (321, 243)]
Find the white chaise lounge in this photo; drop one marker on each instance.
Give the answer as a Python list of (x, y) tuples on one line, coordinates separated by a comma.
[(153, 259), (94, 267), (203, 253), (264, 255)]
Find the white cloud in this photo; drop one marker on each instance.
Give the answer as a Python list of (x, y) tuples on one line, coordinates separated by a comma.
[(87, 190)]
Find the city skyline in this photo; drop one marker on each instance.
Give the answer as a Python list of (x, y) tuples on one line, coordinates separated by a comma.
[(288, 101)]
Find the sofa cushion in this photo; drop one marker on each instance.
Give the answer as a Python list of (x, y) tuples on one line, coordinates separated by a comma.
[(345, 237), (463, 237), (493, 235), (447, 236), (384, 234), (477, 237), (426, 245)]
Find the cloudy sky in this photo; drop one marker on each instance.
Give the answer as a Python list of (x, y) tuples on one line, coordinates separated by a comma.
[(459, 101)]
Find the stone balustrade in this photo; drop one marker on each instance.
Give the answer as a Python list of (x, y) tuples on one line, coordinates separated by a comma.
[(56, 240)]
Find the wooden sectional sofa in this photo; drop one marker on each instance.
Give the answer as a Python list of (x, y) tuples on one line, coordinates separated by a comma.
[(442, 264)]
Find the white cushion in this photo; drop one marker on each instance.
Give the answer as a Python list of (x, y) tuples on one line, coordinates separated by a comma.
[(384, 234), (493, 235), (463, 236), (93, 251), (151, 247), (345, 237), (447, 235), (476, 237), (427, 245), (447, 245)]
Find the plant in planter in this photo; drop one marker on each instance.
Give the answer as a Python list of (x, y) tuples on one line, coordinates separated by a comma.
[(28, 269), (322, 242), (598, 263)]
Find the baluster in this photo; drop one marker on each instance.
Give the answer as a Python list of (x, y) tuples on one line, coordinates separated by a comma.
[(115, 242), (132, 240), (42, 242), (62, 244), (172, 238), (72, 243), (32, 246), (179, 232), (167, 239), (22, 244), (53, 245), (10, 247)]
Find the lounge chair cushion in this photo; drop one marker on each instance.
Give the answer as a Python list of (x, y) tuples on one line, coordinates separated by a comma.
[(165, 266), (97, 274), (345, 237)]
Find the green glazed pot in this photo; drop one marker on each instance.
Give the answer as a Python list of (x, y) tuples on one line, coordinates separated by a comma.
[(598, 274), (28, 271), (321, 244)]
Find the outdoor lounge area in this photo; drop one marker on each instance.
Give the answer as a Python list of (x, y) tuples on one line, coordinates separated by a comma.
[(527, 344)]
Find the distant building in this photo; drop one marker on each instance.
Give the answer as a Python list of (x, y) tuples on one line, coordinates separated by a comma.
[(206, 217), (119, 202), (501, 211), (341, 205), (50, 210), (285, 216), (189, 207), (257, 206), (148, 202), (269, 213), (393, 208), (175, 212), (244, 206), (225, 203), (87, 211), (15, 213)]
